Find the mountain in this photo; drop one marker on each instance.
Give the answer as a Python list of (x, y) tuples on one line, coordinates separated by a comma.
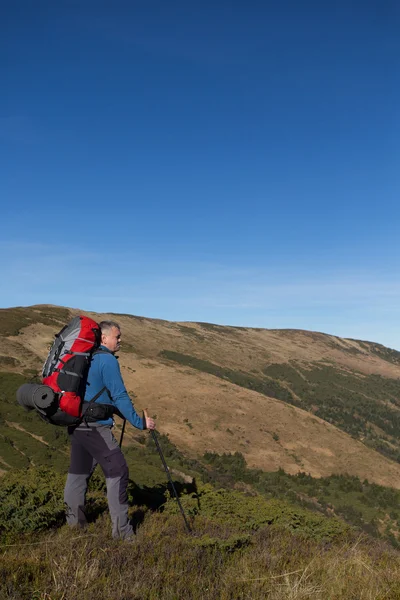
[(297, 400)]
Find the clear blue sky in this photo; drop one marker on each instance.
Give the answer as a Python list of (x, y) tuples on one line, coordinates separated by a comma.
[(232, 162)]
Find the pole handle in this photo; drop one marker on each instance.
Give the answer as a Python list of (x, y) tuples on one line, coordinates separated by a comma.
[(145, 416)]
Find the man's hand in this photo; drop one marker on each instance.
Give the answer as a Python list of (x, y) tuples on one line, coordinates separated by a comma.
[(150, 423)]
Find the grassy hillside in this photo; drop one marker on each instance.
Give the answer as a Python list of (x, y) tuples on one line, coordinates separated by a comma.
[(364, 406), (252, 417), (27, 442), (284, 402), (241, 546)]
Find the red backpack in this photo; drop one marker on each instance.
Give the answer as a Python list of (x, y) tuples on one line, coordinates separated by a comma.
[(67, 364)]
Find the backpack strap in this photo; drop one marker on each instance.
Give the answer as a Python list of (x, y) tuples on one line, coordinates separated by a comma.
[(98, 395), (91, 401), (100, 351)]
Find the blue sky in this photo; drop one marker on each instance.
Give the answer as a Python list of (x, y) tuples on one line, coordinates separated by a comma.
[(229, 162)]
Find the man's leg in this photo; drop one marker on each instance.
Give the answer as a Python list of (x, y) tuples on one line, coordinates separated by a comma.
[(81, 467), (116, 473), (100, 444)]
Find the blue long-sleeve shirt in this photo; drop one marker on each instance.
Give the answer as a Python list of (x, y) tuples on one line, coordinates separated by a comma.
[(104, 371)]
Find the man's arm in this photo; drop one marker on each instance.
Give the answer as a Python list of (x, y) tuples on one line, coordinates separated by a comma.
[(113, 381)]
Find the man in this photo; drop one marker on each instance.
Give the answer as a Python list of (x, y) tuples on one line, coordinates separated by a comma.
[(93, 443)]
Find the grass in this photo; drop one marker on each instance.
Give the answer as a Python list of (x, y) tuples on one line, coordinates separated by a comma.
[(12, 320), (168, 564), (8, 361), (367, 506), (244, 545), (365, 407), (388, 354), (364, 505), (216, 328), (128, 348), (190, 331), (265, 543), (19, 447), (349, 400), (266, 385)]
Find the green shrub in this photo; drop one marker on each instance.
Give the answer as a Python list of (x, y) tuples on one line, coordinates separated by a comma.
[(249, 513), (354, 402), (9, 383), (12, 320), (266, 386), (31, 500)]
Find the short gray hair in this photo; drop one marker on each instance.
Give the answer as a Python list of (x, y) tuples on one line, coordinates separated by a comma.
[(106, 326)]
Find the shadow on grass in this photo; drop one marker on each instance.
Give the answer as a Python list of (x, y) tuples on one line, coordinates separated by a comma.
[(150, 498)]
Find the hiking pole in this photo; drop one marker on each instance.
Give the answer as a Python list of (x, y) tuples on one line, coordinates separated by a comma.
[(122, 433), (160, 452)]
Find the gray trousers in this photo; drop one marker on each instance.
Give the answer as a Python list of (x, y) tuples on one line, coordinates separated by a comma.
[(89, 446)]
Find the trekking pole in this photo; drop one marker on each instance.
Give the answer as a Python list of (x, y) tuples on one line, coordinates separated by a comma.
[(160, 452), (122, 433)]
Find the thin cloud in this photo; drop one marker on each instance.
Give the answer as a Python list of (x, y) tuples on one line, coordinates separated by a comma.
[(362, 305)]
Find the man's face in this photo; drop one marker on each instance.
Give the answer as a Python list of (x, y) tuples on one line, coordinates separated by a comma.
[(111, 339)]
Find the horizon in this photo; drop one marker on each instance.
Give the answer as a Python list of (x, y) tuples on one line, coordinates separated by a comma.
[(218, 163), (143, 316)]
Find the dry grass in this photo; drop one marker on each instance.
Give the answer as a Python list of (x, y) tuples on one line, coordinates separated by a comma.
[(167, 564)]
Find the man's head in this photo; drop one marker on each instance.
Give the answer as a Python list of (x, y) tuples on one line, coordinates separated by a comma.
[(110, 335)]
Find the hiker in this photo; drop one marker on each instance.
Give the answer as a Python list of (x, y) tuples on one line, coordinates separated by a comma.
[(94, 442)]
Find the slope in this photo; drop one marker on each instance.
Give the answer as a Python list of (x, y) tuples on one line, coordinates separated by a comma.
[(302, 401)]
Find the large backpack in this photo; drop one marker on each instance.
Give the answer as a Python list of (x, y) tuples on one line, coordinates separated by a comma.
[(67, 364), (59, 400)]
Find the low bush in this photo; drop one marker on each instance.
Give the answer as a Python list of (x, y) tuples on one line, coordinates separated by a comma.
[(31, 501)]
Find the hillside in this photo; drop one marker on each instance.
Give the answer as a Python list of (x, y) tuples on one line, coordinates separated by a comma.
[(296, 400), (240, 547)]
